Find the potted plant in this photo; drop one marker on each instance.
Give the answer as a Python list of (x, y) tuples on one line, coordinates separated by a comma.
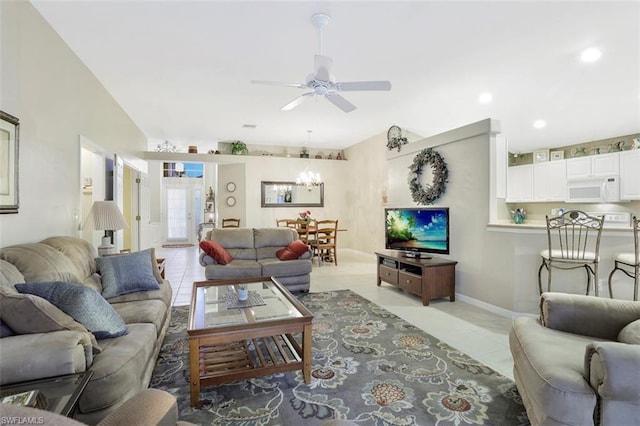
[(304, 153), (239, 148)]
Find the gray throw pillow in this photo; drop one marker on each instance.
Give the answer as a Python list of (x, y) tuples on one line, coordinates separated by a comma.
[(630, 333), (127, 273), (83, 304), (30, 314)]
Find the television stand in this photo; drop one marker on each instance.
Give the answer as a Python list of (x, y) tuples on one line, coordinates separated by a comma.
[(416, 255), (430, 278)]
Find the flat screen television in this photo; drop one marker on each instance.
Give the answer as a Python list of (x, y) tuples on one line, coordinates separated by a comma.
[(417, 230)]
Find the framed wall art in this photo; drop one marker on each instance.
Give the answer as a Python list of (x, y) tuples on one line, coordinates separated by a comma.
[(557, 155), (9, 144), (541, 156)]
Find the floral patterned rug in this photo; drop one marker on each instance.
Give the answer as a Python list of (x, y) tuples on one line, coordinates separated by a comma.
[(369, 366)]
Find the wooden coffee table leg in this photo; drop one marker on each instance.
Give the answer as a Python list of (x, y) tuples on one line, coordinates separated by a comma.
[(194, 369), (306, 353)]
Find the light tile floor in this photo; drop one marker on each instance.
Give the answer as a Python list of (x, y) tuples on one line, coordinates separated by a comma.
[(480, 334)]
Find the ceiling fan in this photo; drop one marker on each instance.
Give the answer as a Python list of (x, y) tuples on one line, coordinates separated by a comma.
[(322, 82)]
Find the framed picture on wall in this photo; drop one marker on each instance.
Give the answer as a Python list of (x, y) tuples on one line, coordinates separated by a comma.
[(9, 144), (541, 156), (557, 155)]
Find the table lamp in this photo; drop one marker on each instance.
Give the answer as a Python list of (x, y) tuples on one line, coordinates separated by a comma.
[(105, 216)]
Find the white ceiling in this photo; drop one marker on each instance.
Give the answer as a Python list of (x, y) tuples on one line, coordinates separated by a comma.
[(182, 69)]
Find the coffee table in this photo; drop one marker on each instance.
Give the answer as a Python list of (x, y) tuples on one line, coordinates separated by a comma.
[(228, 344), (58, 394)]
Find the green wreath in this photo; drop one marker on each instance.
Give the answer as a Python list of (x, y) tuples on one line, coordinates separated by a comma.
[(431, 192)]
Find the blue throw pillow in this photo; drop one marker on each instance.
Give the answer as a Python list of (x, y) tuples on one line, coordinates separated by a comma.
[(83, 304), (127, 273)]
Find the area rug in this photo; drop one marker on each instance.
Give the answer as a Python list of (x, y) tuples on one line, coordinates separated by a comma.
[(369, 366), (177, 245)]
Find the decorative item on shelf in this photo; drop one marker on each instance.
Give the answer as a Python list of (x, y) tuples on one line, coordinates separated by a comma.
[(330, 156), (339, 156), (166, 147), (516, 159), (431, 192), (212, 151), (395, 139), (210, 207), (636, 143), (105, 216), (541, 156), (580, 151), (616, 146), (304, 153), (596, 151), (518, 216), (556, 155), (318, 156), (193, 149), (239, 148)]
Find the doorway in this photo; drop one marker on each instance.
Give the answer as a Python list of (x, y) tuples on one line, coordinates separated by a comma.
[(183, 209)]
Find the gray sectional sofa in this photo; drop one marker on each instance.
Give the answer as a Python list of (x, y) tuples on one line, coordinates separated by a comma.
[(254, 254), (579, 364), (122, 366)]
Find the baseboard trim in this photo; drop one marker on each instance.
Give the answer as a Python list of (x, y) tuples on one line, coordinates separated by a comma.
[(492, 308)]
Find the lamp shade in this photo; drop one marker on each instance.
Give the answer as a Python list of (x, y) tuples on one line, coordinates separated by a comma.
[(105, 216)]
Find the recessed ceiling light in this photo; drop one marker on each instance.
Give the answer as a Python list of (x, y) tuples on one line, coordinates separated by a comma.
[(539, 124), (590, 55), (485, 98)]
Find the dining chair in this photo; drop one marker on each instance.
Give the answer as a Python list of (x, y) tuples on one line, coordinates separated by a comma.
[(573, 241), (629, 263), (231, 222), (305, 230), (286, 223), (325, 242)]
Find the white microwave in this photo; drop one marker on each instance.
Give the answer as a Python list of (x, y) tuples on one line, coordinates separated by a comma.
[(594, 190)]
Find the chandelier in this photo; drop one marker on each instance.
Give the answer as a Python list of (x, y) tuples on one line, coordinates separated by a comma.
[(309, 179)]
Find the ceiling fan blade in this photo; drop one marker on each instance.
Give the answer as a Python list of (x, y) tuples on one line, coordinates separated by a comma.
[(297, 101), (323, 67), (279, 83), (352, 86), (337, 99)]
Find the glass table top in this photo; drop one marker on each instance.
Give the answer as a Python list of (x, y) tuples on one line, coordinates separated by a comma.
[(214, 305)]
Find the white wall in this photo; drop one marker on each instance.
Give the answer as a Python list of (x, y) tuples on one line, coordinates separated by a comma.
[(56, 98), (255, 169)]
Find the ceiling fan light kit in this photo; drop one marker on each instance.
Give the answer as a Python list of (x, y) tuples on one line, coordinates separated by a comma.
[(322, 82)]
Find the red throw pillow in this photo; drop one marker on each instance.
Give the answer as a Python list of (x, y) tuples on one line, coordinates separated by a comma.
[(215, 250), (293, 251)]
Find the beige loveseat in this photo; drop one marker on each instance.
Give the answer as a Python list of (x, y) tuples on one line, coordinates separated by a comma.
[(122, 366), (579, 363), (254, 254)]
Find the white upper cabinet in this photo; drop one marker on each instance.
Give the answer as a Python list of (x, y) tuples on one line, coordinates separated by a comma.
[(550, 181), (520, 184), (630, 175), (593, 166)]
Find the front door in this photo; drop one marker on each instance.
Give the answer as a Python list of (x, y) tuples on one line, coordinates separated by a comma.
[(182, 206)]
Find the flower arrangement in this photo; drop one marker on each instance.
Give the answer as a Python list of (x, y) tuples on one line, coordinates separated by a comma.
[(305, 215)]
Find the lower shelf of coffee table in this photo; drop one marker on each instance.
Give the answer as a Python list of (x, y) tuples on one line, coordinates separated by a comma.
[(227, 362)]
